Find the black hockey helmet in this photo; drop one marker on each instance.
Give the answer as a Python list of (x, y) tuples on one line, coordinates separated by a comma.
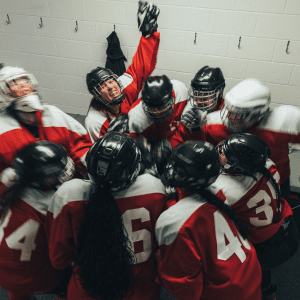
[(157, 97), (193, 165), (43, 165), (96, 77), (114, 160), (207, 88), (243, 153)]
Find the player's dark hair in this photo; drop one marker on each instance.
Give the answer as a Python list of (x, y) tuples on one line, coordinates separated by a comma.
[(103, 254), (10, 197), (266, 172), (211, 198)]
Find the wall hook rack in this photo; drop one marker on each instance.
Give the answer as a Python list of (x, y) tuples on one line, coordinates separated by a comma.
[(239, 46), (287, 47), (195, 38), (41, 24), (114, 27), (8, 20), (76, 28)]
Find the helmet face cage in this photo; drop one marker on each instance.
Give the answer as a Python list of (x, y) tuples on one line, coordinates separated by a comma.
[(205, 100), (159, 114), (239, 119), (98, 87)]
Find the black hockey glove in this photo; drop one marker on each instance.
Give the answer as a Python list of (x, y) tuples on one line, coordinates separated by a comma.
[(147, 18), (119, 124), (194, 119)]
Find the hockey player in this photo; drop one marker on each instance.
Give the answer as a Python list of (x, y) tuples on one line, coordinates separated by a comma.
[(24, 119), (249, 185), (25, 267), (206, 94), (201, 254), (156, 115), (109, 223), (115, 95), (246, 109)]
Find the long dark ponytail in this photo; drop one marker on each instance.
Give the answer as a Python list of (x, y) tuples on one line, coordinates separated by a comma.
[(211, 198), (104, 254)]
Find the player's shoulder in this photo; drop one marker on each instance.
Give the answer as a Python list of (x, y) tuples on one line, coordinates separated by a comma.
[(95, 116), (71, 191), (180, 90), (233, 187), (126, 79), (137, 119), (173, 219), (144, 184), (8, 122)]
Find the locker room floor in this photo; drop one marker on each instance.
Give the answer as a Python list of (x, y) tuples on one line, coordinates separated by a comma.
[(286, 276)]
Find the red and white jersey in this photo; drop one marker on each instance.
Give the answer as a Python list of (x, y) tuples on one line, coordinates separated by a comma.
[(183, 134), (143, 64), (25, 266), (54, 126), (141, 124), (279, 127), (254, 201), (140, 206), (202, 255)]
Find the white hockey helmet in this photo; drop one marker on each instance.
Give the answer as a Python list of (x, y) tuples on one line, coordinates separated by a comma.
[(245, 104), (28, 102)]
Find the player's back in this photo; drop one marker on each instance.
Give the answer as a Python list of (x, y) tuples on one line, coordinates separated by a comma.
[(24, 254), (140, 205), (202, 255)]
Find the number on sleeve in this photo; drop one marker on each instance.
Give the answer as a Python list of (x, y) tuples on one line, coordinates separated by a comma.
[(234, 245), (140, 235)]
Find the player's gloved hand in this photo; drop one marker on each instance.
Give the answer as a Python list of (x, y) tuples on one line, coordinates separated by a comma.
[(147, 18), (194, 119), (161, 151), (119, 124)]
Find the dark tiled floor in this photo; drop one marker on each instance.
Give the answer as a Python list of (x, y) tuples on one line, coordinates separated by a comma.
[(287, 276)]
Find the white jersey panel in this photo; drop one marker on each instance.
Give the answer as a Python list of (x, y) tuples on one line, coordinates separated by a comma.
[(170, 221), (93, 123), (126, 80)]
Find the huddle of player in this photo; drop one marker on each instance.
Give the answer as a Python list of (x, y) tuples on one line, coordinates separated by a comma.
[(87, 214)]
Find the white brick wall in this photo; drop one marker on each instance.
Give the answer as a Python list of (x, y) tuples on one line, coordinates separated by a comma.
[(60, 57)]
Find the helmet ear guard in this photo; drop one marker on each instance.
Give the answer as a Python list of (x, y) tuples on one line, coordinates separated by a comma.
[(96, 77)]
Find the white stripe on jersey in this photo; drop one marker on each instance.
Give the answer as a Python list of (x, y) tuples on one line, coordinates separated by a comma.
[(37, 199), (8, 122), (236, 187), (170, 222), (125, 79)]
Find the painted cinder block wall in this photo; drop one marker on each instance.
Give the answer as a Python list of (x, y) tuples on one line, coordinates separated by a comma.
[(60, 57)]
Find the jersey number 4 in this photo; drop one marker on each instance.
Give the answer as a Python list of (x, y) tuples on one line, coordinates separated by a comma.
[(23, 238), (234, 243)]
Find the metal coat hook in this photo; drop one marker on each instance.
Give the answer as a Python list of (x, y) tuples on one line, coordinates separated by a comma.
[(76, 28), (8, 20), (41, 24), (195, 38), (239, 46), (114, 27), (287, 47)]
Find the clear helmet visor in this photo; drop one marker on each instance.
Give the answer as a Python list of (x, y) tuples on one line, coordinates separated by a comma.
[(239, 119), (159, 113), (204, 100)]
